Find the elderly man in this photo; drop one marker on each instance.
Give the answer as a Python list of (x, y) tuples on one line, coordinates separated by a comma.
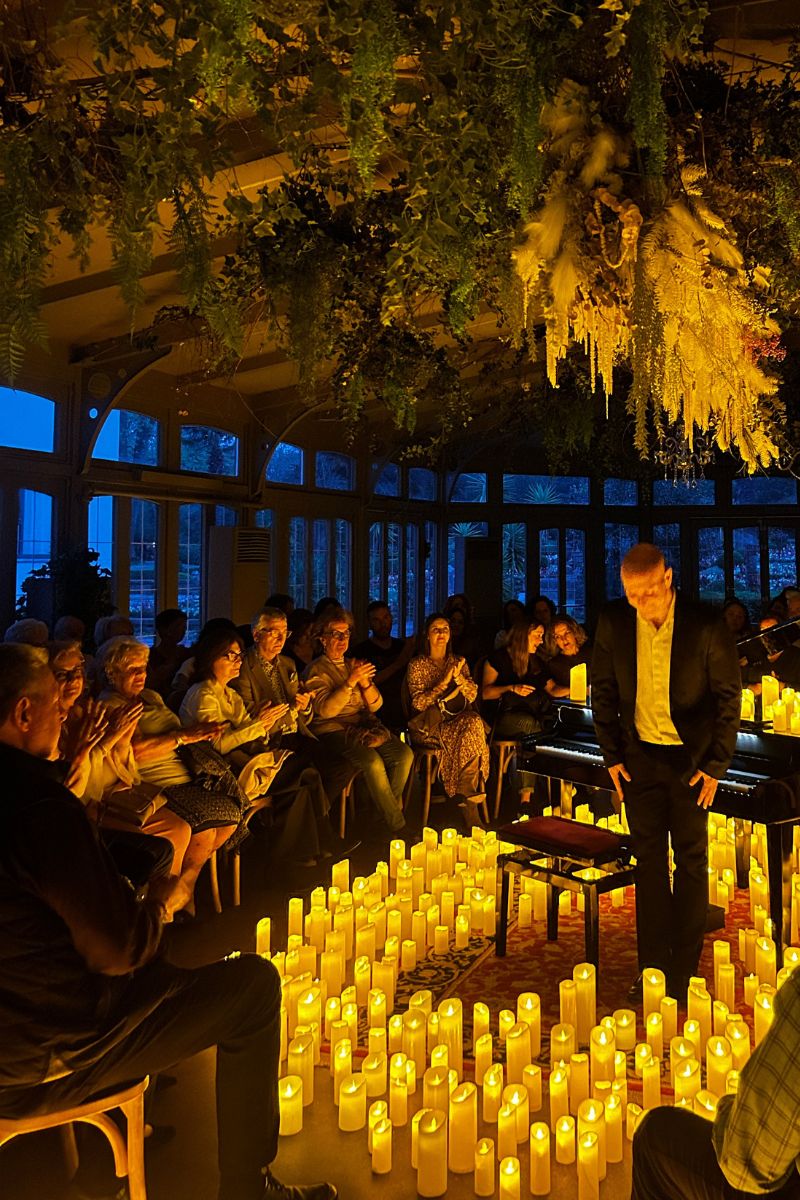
[(666, 699), (267, 676), (86, 1001)]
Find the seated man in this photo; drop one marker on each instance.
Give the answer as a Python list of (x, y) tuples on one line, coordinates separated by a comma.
[(753, 1145), (390, 656), (86, 1001)]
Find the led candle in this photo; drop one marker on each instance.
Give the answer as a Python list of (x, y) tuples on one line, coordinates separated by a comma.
[(588, 1173), (508, 1178), (620, 1065), (601, 1053), (559, 1095), (738, 1034), (483, 1056), (397, 855), (577, 683), (377, 1008), (625, 1019), (415, 1120), (264, 936), (480, 1021), (585, 976), (377, 1111), (770, 689), (352, 1103), (529, 1010), (540, 1159), (484, 1167), (493, 1092), (779, 717), (680, 1050), (719, 1061), (568, 1002), (506, 1020), (295, 916), (732, 1083), (301, 1062), (641, 1055), (506, 1131), (763, 1010), (748, 705), (415, 1032), (290, 1099), (654, 990), (394, 1031), (365, 942), (451, 1032), (765, 961), (382, 1147), (633, 1115), (691, 1031), (518, 1051), (651, 1083), (432, 1153), (613, 1110), (669, 1019), (592, 1119), (705, 1104), (435, 1089), (463, 1129), (350, 1018), (562, 1044), (565, 1140), (750, 989), (532, 1082), (655, 1035), (374, 1070), (342, 1063), (525, 906), (578, 1081), (516, 1095), (331, 971), (687, 1079), (719, 1017), (462, 932)]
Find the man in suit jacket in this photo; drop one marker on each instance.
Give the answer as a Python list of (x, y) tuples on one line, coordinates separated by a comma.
[(666, 700)]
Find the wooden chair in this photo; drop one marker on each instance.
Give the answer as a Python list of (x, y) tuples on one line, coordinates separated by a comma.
[(127, 1148), (258, 805), (347, 801), (504, 750), (426, 762)]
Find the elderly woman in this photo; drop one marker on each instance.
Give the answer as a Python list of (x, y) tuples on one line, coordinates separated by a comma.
[(571, 643), (97, 746), (300, 802), (514, 682), (212, 814), (440, 680), (344, 701)]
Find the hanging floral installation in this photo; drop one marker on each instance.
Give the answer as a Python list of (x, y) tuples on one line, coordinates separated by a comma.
[(587, 176)]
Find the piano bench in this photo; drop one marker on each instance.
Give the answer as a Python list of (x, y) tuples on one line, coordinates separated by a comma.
[(559, 853)]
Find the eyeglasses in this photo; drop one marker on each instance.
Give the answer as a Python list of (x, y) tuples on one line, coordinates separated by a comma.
[(68, 676), (274, 631), (233, 656), (337, 635)]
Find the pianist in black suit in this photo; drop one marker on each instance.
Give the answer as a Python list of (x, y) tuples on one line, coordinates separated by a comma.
[(666, 701)]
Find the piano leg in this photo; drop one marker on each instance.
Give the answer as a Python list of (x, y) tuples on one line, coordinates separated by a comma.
[(591, 918), (779, 873), (553, 893), (502, 928), (742, 832)]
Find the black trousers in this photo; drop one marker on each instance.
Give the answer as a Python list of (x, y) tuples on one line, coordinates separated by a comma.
[(233, 1005), (673, 1159), (662, 808)]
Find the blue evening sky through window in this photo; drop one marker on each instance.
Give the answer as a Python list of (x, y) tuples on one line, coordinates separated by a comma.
[(27, 422)]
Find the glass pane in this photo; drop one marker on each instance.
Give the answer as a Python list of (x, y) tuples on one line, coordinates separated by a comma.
[(388, 483), (782, 547), (190, 566), (212, 451), (515, 561), (412, 561), (747, 566), (620, 491), (377, 590), (27, 422), (575, 549), (760, 489), (394, 567), (320, 560), (263, 518), (128, 437), (298, 587), (545, 489), (431, 546), (668, 540), (286, 464), (34, 533), (711, 564), (421, 484), (619, 539), (469, 488), (100, 532), (702, 491), (549, 563), (335, 471), (225, 515), (143, 603), (456, 533), (344, 562)]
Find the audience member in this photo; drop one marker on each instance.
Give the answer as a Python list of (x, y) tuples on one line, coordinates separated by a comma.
[(184, 676), (27, 632), (300, 642), (168, 654), (737, 618), (87, 1002), (464, 641), (514, 683), (390, 657), (344, 698), (115, 625), (282, 601), (513, 611), (571, 647), (440, 685), (542, 610), (68, 629)]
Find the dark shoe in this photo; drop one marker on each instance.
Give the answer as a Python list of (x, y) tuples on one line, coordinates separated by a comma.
[(275, 1190), (636, 991), (677, 987)]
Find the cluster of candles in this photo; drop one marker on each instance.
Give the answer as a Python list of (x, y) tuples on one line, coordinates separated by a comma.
[(780, 705), (566, 1099)]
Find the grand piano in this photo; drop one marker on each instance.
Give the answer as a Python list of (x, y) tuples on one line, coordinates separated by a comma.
[(762, 784)]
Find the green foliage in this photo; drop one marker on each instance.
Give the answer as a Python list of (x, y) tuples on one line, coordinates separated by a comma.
[(80, 587)]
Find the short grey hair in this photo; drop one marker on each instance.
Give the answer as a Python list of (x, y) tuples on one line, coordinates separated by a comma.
[(22, 670), (268, 613), (117, 652), (27, 632)]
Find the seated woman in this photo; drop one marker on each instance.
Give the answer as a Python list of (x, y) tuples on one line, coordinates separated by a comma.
[(572, 647), (300, 802), (214, 814), (513, 611), (438, 678), (97, 746), (344, 700), (514, 683)]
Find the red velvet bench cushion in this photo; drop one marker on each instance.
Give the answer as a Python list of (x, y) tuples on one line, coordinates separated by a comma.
[(569, 839)]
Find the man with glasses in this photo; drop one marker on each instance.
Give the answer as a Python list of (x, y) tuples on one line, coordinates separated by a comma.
[(268, 677), (345, 699)]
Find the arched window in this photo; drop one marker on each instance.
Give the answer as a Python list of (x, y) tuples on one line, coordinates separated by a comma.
[(212, 451), (388, 482), (335, 471), (27, 422), (129, 437), (286, 464)]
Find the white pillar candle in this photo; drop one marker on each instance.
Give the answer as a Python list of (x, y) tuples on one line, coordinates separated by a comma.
[(480, 1020), (559, 1095), (342, 1063), (493, 1093), (669, 1019), (352, 1104), (484, 1167), (432, 1153), (765, 961), (295, 916), (750, 989), (365, 945), (377, 1111), (579, 1087), (763, 1010), (440, 1056), (692, 1032), (301, 1062), (290, 1099), (529, 1010), (699, 1009), (382, 1147), (562, 1043), (588, 1172), (613, 1110), (654, 990), (568, 1002), (397, 855), (539, 1159), (641, 1055), (264, 936), (398, 1102), (719, 1017), (506, 1020), (532, 1082), (680, 1050), (518, 1051), (625, 1019), (651, 1084), (565, 1140), (374, 1070), (463, 1129), (377, 1008), (451, 1032), (515, 1095), (655, 1034), (525, 911), (462, 932), (687, 1079), (719, 1061), (602, 1044), (577, 683), (585, 978), (633, 1114), (705, 1104), (415, 1120), (592, 1119), (394, 1030), (483, 1056), (415, 1033), (508, 1178), (506, 1131), (738, 1034), (435, 1088)]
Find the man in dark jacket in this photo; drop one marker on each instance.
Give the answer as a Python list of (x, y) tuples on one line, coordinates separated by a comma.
[(86, 1002), (666, 700)]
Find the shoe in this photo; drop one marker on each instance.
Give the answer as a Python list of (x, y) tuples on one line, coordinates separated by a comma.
[(635, 993), (275, 1190)]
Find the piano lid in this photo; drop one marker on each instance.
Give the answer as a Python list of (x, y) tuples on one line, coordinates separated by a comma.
[(769, 641)]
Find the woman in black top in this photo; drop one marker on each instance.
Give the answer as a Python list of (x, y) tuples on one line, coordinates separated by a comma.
[(514, 683), (571, 648)]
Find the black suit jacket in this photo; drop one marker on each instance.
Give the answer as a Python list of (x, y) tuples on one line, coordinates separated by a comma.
[(705, 689)]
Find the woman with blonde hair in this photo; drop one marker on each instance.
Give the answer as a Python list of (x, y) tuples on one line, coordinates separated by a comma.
[(571, 647)]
